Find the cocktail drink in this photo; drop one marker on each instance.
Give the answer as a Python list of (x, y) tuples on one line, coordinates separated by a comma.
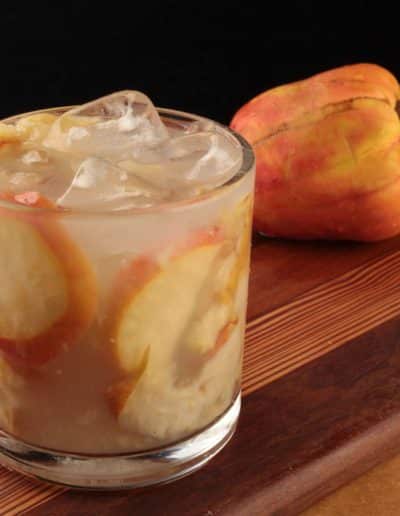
[(124, 261)]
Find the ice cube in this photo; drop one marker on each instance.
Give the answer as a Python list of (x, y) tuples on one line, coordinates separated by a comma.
[(25, 172), (19, 181), (122, 124), (209, 158), (100, 185), (34, 156), (188, 164)]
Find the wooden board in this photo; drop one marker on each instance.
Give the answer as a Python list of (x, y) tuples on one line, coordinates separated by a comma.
[(321, 392)]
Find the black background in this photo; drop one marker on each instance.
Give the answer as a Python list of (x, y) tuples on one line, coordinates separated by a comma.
[(204, 57)]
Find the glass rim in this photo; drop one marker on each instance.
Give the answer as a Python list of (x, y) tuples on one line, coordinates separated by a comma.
[(246, 166)]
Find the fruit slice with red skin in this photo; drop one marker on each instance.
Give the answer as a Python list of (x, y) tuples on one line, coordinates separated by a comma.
[(130, 282), (195, 295), (48, 294), (155, 303), (217, 316), (151, 306), (150, 332)]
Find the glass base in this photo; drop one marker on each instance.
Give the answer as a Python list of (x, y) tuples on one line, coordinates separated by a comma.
[(121, 471)]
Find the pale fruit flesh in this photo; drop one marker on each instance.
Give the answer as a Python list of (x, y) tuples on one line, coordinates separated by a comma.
[(159, 311), (172, 328), (48, 294), (33, 292)]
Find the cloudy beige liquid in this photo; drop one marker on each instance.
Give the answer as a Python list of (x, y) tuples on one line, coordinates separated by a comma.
[(64, 404)]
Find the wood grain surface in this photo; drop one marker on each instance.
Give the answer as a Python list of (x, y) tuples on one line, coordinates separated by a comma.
[(323, 328), (376, 493), (18, 494)]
